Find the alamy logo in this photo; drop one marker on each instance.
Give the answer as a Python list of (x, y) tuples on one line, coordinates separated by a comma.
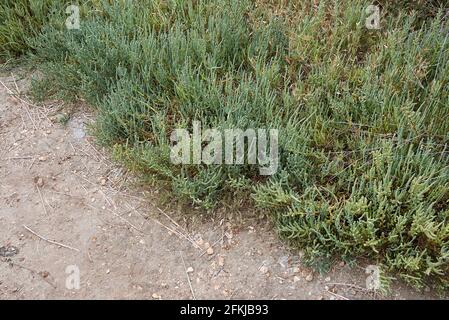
[(72, 281), (373, 280), (210, 146), (373, 20), (73, 21)]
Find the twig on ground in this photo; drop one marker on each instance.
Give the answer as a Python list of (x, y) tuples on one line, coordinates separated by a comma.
[(15, 264), (179, 234), (67, 194), (125, 220), (108, 199), (87, 154), (17, 158), (187, 275), (32, 163), (42, 199), (175, 223), (349, 285), (99, 154), (337, 295), (117, 215), (11, 93), (50, 241), (214, 244), (15, 83), (27, 101)]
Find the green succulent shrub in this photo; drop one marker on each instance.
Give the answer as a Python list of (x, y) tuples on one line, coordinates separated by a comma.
[(362, 114)]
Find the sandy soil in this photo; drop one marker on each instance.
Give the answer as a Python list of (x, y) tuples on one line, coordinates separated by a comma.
[(65, 207)]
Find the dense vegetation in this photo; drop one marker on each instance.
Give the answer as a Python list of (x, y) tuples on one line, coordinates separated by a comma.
[(362, 114), (20, 21)]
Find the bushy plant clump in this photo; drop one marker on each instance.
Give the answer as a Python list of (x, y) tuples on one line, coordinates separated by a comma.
[(362, 114), (20, 21)]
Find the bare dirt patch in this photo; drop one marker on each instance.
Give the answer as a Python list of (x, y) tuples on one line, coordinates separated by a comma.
[(64, 203)]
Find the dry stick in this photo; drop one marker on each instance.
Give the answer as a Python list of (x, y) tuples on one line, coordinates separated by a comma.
[(33, 272), (108, 200), (11, 93), (176, 232), (133, 197), (89, 257), (29, 116), (179, 234), (123, 180), (174, 222), (15, 83), (87, 154), (50, 241), (187, 274), (23, 122), (26, 104), (336, 295), (114, 213), (119, 216), (87, 180), (99, 190), (349, 285), (32, 163), (166, 215), (131, 208), (9, 195), (44, 112), (19, 93), (84, 188), (42, 199), (17, 158), (68, 195), (213, 245), (13, 146), (73, 148), (169, 218), (9, 90), (98, 152)]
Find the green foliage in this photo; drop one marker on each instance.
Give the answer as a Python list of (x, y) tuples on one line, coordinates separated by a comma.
[(362, 113), (21, 20)]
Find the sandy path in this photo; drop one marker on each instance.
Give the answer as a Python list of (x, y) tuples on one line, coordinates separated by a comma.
[(56, 183)]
